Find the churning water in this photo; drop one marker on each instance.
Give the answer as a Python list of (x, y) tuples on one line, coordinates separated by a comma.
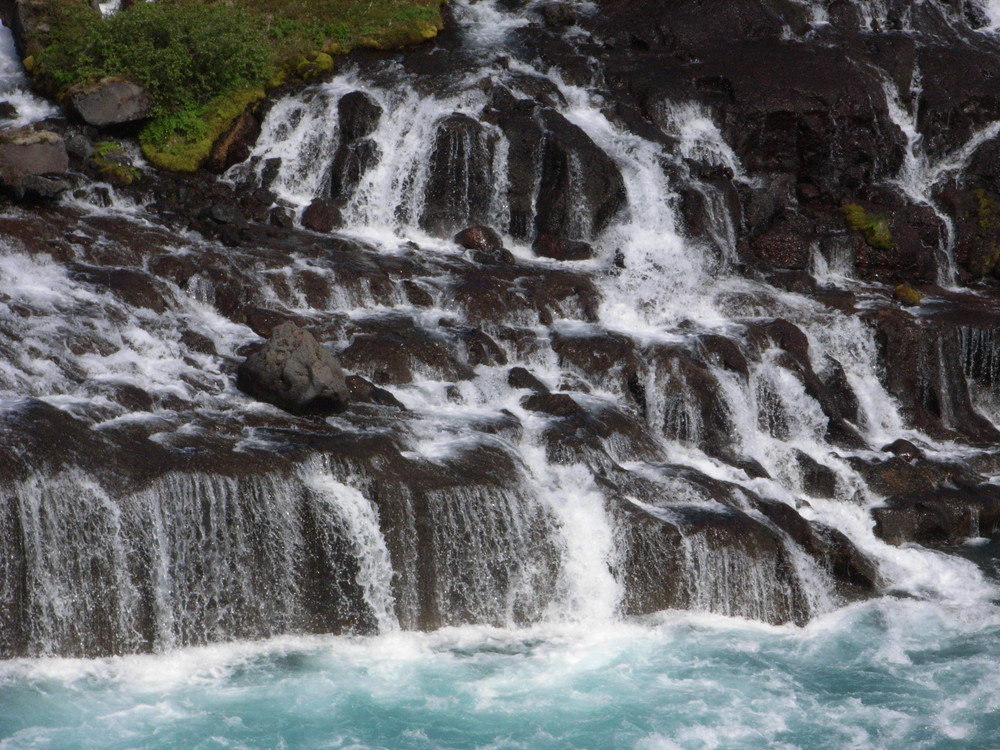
[(894, 673)]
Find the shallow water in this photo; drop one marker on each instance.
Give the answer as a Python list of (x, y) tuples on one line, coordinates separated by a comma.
[(890, 673)]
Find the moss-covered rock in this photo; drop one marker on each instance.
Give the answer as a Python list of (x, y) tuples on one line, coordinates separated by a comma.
[(113, 164), (184, 141), (873, 228), (907, 295)]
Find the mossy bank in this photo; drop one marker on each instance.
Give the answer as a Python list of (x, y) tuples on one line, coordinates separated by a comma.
[(203, 63)]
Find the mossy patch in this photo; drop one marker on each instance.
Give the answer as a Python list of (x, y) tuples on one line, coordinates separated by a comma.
[(182, 141), (874, 228), (113, 163), (907, 295), (201, 59), (987, 246)]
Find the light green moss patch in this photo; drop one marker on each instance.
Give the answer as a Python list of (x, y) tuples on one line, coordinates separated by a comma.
[(181, 142), (874, 228)]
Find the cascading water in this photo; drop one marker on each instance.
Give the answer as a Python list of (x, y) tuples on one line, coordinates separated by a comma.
[(559, 457)]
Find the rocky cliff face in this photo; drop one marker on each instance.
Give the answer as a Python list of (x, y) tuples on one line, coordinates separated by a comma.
[(670, 371)]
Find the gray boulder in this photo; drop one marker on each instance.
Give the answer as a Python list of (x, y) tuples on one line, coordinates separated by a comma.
[(32, 161), (30, 151), (111, 101), (295, 373)]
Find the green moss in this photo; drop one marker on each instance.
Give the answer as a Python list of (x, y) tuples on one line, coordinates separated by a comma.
[(201, 59), (984, 255), (874, 228), (907, 295), (113, 164), (183, 140), (315, 65)]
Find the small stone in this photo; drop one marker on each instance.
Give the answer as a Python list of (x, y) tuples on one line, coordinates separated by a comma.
[(79, 146), (279, 217)]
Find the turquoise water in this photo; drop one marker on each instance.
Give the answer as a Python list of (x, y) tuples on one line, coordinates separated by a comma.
[(892, 673)]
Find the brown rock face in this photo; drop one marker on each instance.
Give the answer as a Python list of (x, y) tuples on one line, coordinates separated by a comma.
[(32, 162), (234, 146), (321, 216), (295, 373), (25, 151)]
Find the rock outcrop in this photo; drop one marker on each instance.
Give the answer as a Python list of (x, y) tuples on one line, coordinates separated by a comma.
[(292, 371), (110, 101), (33, 162)]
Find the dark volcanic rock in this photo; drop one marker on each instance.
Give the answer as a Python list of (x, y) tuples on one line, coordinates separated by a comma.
[(661, 575), (519, 377), (559, 181), (559, 248), (358, 115), (581, 188), (32, 161), (460, 184), (940, 517), (292, 371), (321, 216), (479, 238), (350, 163), (394, 350)]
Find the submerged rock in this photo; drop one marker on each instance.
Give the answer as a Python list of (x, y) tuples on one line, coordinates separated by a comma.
[(295, 373)]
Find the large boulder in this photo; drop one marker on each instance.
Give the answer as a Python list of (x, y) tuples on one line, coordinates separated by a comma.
[(294, 372), (559, 182), (111, 101), (460, 180), (358, 115), (30, 151), (32, 162)]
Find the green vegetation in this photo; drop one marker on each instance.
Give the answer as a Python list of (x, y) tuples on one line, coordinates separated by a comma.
[(986, 257), (206, 61), (113, 164), (907, 295), (875, 229), (181, 141)]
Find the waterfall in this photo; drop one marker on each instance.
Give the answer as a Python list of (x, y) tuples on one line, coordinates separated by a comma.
[(658, 424)]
